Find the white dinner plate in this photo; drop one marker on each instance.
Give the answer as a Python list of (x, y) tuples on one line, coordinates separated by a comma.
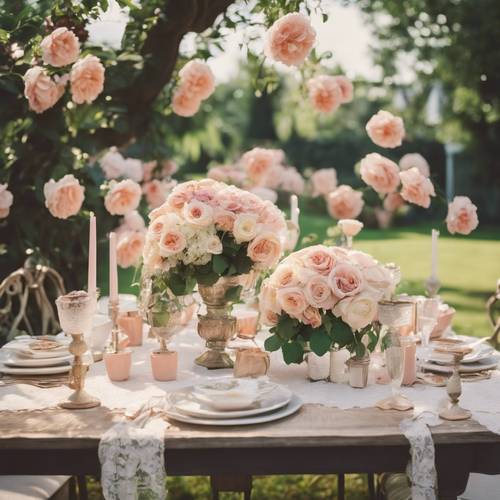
[(283, 412), (48, 370), (184, 402), (36, 362), (490, 363)]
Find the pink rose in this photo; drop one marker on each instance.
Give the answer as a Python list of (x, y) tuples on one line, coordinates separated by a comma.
[(284, 275), (393, 201), (358, 311), (184, 103), (112, 164), (197, 78), (122, 197), (133, 221), (6, 200), (181, 195), (292, 301), (41, 91), (172, 241), (63, 198), (269, 318), (257, 163), (350, 227), (325, 93), (346, 280), (462, 216), (87, 79), (292, 181), (155, 193), (168, 167), (129, 248), (361, 259), (274, 177), (385, 129), (416, 188), (224, 219), (290, 39), (346, 88), (311, 316), (148, 170), (60, 48), (265, 249), (319, 259), (318, 293), (265, 194), (323, 181), (380, 173), (132, 169), (345, 203), (198, 213), (415, 160)]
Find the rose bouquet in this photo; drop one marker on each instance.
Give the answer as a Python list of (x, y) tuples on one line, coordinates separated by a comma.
[(324, 297)]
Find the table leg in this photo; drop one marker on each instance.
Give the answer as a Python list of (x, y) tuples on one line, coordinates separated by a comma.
[(241, 483)]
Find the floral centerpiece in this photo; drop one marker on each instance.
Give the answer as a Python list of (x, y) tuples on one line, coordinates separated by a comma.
[(210, 234), (323, 298)]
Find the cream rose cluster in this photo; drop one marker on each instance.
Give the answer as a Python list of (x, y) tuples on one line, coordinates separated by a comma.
[(190, 226), (318, 279)]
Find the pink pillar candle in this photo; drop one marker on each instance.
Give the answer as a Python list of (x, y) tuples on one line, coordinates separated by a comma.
[(92, 264), (409, 345), (113, 270), (118, 365), (131, 324)]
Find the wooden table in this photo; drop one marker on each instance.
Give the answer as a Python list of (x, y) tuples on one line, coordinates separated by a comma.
[(316, 440)]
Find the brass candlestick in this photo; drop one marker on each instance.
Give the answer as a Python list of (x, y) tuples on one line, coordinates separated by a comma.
[(75, 315), (454, 389), (113, 311)]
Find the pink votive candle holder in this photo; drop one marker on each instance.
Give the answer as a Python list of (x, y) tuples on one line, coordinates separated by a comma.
[(118, 365), (130, 323), (247, 321), (164, 365)]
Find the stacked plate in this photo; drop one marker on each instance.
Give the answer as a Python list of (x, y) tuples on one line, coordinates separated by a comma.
[(46, 355), (230, 401), (482, 358)]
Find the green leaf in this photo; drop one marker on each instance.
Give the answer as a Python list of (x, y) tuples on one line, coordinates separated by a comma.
[(219, 264), (293, 353), (373, 340), (360, 350), (177, 284), (320, 342), (342, 333), (233, 294), (207, 278), (273, 343), (287, 327)]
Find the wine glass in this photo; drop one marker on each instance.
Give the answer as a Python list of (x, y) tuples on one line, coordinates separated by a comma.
[(394, 362), (427, 317)]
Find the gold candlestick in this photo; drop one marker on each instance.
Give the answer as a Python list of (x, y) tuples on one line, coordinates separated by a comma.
[(113, 311)]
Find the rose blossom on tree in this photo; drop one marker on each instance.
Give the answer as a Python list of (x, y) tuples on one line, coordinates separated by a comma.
[(258, 163), (415, 160), (345, 203), (87, 79), (63, 198), (42, 91), (112, 164), (197, 79), (393, 202), (380, 173), (417, 188), (386, 130), (290, 39), (184, 103), (346, 88), (60, 48), (6, 200), (122, 197), (323, 181), (462, 216), (325, 93), (129, 248)]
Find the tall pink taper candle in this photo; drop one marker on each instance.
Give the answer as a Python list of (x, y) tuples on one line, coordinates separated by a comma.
[(91, 282), (434, 255), (113, 271)]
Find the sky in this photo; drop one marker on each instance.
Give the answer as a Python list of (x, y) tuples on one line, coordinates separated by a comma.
[(344, 34)]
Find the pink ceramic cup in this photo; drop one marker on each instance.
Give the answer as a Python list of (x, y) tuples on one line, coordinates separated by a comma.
[(131, 324), (164, 365), (118, 365)]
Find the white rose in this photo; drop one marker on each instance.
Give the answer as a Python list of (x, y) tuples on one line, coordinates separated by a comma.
[(380, 279), (198, 213), (245, 228), (214, 245), (358, 311), (350, 227)]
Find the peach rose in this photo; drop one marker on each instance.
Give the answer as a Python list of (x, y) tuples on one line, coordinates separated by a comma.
[(416, 188), (132, 169), (214, 245), (292, 301), (318, 293), (112, 164), (358, 311), (290, 39), (380, 173), (6, 200), (41, 91), (224, 219), (87, 79), (172, 241), (311, 316), (319, 259), (361, 258), (346, 88), (257, 163), (350, 227), (155, 192), (346, 280), (415, 160), (197, 78), (60, 48), (198, 213), (284, 275), (265, 194), (324, 181), (345, 203), (462, 216), (325, 93), (245, 227), (129, 248), (133, 221), (292, 181), (393, 201), (265, 249), (184, 103), (269, 318), (122, 197), (385, 129), (63, 198)]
